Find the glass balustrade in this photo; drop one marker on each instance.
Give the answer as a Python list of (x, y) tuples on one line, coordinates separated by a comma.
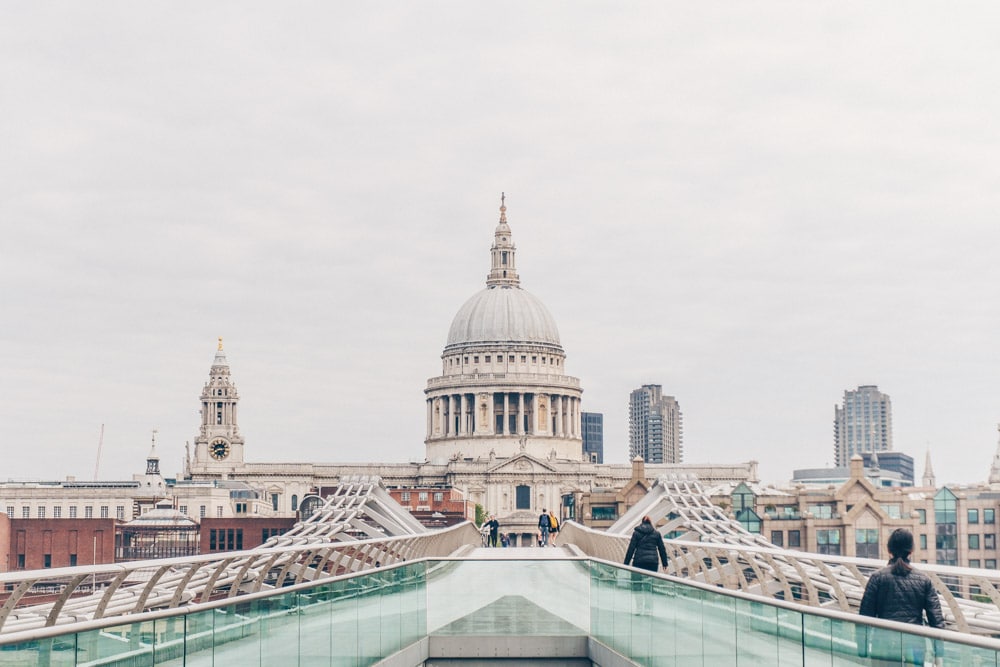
[(362, 619)]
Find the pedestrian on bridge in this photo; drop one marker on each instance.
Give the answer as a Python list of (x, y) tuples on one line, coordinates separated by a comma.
[(645, 549), (898, 592)]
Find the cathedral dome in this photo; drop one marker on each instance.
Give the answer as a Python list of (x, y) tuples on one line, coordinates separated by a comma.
[(503, 315)]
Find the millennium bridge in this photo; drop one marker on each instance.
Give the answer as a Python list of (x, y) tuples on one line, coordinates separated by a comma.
[(361, 582)]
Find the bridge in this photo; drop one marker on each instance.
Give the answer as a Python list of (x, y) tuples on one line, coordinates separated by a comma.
[(360, 582)]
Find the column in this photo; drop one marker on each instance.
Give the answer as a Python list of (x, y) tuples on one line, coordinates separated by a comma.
[(506, 413), (559, 416), (520, 413), (534, 414), (463, 404), (452, 410), (430, 419)]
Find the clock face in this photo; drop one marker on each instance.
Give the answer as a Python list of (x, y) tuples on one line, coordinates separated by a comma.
[(219, 449)]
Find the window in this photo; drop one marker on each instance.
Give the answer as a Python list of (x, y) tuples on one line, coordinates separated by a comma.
[(603, 513), (828, 541), (990, 541), (511, 358), (778, 538), (47, 560), (893, 511), (989, 516), (268, 533), (120, 512), (974, 562), (404, 496), (422, 496), (973, 541), (534, 359), (25, 512), (225, 539), (821, 511), (20, 561), (866, 542), (274, 502), (183, 509), (72, 560), (991, 563), (475, 358), (487, 358), (202, 511), (10, 510), (218, 511), (105, 511), (522, 495), (944, 507), (973, 516), (438, 497), (241, 508), (922, 515), (749, 519), (524, 358), (295, 503), (742, 498), (41, 512), (72, 511), (57, 512), (923, 543), (88, 512)]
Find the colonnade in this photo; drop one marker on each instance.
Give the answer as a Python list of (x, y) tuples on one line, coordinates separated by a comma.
[(210, 412), (503, 413)]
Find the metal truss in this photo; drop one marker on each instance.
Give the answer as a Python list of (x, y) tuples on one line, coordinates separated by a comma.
[(358, 527), (713, 548)]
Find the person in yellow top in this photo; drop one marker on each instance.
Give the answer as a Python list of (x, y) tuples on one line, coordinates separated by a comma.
[(553, 528)]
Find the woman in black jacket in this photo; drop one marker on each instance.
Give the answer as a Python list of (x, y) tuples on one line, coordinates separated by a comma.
[(646, 550), (897, 592)]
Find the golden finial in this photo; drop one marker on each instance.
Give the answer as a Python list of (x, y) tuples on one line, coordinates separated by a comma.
[(220, 343)]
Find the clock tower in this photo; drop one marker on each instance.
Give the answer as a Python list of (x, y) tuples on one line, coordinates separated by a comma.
[(219, 445)]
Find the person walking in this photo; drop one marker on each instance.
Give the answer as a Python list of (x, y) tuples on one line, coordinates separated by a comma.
[(900, 593), (544, 523), (553, 528), (494, 530), (645, 551)]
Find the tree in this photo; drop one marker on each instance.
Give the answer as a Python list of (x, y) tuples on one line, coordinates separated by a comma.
[(480, 515)]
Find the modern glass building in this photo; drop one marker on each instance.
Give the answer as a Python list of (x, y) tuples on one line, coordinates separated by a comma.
[(593, 437)]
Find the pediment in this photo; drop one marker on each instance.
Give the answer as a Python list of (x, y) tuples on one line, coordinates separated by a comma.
[(854, 490), (867, 507), (523, 464)]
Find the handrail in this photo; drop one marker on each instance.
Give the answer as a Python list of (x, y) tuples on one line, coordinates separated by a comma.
[(812, 579), (169, 583), (40, 634)]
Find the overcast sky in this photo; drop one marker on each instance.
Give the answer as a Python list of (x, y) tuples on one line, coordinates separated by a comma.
[(756, 205)]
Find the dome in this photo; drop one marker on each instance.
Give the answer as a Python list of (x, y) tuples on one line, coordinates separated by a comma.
[(503, 315)]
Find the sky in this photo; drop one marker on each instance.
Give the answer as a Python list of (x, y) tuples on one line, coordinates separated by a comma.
[(757, 206)]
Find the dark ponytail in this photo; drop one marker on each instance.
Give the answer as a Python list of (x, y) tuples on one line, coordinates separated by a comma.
[(900, 547)]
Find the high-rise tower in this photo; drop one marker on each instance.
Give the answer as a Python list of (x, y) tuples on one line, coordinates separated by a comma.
[(863, 424), (655, 430), (219, 445)]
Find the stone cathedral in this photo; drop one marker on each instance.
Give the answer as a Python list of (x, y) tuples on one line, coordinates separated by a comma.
[(503, 418)]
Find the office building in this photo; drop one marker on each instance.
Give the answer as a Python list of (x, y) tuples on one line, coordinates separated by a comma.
[(654, 425), (593, 436), (863, 424)]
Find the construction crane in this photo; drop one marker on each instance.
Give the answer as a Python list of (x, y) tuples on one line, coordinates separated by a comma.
[(100, 444)]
